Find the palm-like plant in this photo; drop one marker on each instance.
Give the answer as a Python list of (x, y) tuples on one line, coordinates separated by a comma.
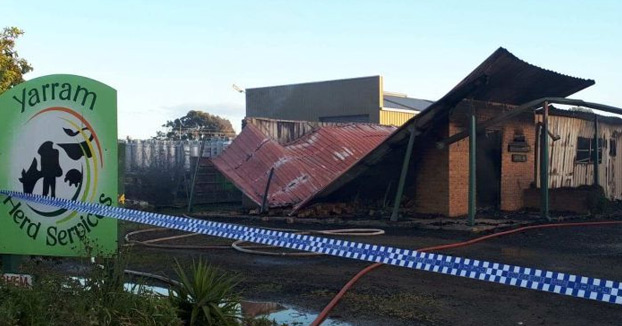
[(209, 298)]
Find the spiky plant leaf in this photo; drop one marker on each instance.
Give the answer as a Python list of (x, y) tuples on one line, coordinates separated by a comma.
[(208, 298)]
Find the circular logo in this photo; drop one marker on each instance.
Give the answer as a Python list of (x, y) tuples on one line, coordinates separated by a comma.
[(57, 154)]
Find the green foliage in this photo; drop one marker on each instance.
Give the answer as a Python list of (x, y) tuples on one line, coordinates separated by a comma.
[(209, 298), (195, 125), (56, 299), (12, 67)]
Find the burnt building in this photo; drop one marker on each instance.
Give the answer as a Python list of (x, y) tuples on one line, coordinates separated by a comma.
[(425, 162)]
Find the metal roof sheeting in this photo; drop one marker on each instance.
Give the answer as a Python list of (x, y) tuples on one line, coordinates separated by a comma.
[(511, 80), (303, 167), (405, 103)]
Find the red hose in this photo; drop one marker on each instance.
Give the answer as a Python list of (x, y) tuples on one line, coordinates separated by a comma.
[(320, 318)]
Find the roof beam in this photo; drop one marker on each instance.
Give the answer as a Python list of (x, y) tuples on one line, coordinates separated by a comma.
[(524, 108)]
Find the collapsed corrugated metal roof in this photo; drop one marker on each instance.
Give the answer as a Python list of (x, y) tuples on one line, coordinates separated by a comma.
[(501, 78), (303, 167)]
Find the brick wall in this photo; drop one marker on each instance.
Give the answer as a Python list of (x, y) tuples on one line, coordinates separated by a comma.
[(442, 178), (431, 178), (516, 177), (458, 173), (459, 152)]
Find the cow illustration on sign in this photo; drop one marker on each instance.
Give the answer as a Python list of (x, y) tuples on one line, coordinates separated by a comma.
[(50, 168), (50, 165)]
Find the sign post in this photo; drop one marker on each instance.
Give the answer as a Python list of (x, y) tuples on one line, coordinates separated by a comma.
[(10, 263), (58, 138)]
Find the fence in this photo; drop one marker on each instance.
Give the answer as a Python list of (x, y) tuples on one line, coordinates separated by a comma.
[(161, 172), (168, 154)]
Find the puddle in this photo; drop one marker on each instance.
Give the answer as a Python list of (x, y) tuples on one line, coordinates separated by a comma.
[(293, 316), (132, 287), (254, 309)]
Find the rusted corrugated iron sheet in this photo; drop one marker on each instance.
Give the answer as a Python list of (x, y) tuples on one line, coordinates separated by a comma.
[(302, 167), (285, 131)]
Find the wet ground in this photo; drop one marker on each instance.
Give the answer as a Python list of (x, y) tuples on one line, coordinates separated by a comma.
[(400, 296)]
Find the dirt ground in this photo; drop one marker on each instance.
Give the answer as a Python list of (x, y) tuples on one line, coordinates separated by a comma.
[(399, 296)]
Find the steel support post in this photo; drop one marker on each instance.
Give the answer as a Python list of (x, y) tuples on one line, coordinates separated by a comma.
[(544, 163), (400, 185), (194, 176), (472, 169), (264, 202), (10, 263), (596, 157)]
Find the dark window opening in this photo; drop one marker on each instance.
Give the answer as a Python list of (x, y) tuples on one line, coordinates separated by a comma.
[(613, 149), (585, 150)]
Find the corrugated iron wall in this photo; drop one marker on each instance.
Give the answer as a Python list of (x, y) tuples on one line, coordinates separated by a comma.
[(394, 118), (285, 131), (161, 172), (566, 172), (168, 154)]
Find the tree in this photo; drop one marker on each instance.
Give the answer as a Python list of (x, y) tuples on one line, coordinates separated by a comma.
[(12, 67), (196, 125)]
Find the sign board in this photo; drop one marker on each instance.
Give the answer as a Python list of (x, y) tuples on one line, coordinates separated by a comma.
[(519, 158), (58, 138), (17, 279)]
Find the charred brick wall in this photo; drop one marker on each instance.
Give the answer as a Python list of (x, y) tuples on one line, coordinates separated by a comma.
[(442, 178), (432, 177), (516, 177)]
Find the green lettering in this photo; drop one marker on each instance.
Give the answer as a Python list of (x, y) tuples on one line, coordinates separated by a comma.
[(34, 97), (105, 200), (91, 223), (66, 90), (85, 224), (26, 220), (44, 91), (33, 230), (61, 236), (80, 230), (15, 207), (85, 94), (23, 101), (54, 90), (70, 233), (51, 236), (18, 216)]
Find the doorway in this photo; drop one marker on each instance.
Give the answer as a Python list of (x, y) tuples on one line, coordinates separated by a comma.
[(488, 171)]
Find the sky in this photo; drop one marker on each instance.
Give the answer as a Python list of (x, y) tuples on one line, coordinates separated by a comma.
[(168, 57)]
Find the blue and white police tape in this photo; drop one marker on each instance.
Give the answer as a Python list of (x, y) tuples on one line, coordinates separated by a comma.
[(530, 278)]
